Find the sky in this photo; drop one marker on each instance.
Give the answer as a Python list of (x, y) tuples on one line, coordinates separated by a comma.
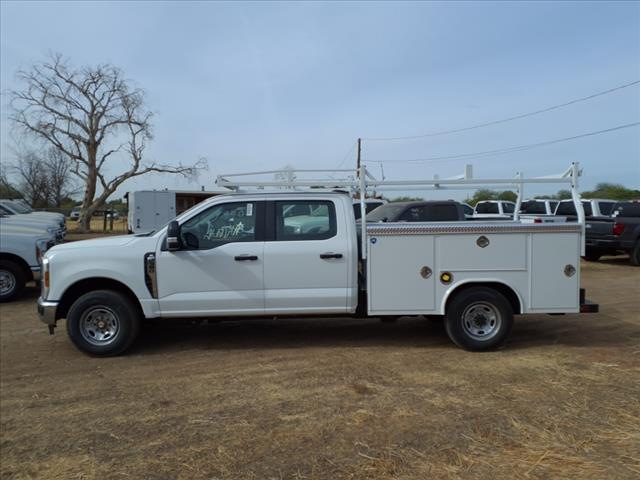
[(255, 86)]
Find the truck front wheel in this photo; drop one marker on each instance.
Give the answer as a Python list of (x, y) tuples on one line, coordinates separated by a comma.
[(103, 323), (12, 280), (479, 318)]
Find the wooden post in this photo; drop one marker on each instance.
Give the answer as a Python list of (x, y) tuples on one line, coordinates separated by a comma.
[(104, 221), (111, 221)]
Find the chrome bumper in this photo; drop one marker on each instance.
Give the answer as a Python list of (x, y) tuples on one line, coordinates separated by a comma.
[(47, 311)]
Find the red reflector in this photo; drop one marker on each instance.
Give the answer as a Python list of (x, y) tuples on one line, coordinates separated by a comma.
[(618, 228), (537, 220)]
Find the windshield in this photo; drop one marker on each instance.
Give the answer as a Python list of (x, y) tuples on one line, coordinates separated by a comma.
[(18, 207), (385, 213)]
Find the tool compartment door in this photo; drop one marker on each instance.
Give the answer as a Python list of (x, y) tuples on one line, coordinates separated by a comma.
[(553, 288), (401, 274)]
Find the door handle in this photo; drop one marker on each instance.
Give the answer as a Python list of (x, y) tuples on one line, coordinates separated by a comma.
[(244, 258), (327, 255)]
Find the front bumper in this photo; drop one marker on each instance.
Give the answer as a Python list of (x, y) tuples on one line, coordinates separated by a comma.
[(47, 311), (35, 273)]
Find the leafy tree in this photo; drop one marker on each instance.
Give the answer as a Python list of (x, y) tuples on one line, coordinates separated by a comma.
[(614, 191), (486, 194)]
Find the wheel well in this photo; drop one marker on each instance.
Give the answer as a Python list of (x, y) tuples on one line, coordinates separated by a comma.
[(28, 274), (81, 287), (505, 290)]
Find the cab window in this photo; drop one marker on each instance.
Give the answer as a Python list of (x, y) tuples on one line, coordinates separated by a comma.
[(220, 224), (305, 220)]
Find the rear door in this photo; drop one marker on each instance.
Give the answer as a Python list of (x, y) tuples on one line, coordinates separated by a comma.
[(306, 257)]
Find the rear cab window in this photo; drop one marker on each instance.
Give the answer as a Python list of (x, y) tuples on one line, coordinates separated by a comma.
[(305, 220), (487, 207)]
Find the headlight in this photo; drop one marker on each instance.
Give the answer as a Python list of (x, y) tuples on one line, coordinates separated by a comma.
[(45, 277), (41, 248)]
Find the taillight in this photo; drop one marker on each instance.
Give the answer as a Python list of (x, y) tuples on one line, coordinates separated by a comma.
[(537, 220), (618, 228)]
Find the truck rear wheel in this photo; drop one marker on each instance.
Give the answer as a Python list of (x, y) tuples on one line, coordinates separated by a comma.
[(12, 280), (103, 323), (479, 318)]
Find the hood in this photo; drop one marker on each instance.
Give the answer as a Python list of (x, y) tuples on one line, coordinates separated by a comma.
[(115, 241)]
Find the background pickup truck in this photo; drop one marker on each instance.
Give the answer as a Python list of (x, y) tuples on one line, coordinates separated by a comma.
[(418, 211), (296, 254), (617, 234), (21, 249)]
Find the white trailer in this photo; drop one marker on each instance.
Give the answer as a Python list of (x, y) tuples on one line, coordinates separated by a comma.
[(151, 209)]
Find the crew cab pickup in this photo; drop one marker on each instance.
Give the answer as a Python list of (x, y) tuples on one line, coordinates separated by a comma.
[(494, 209), (619, 233), (296, 254), (592, 207)]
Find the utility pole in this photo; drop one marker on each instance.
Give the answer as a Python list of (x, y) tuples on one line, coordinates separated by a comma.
[(358, 161)]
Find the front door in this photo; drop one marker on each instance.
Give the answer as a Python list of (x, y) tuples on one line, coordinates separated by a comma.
[(307, 260), (219, 270)]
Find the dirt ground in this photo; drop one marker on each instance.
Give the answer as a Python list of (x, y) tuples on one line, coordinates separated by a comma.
[(330, 399)]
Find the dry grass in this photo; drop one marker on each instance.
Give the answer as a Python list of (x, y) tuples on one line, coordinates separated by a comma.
[(330, 399), (97, 225)]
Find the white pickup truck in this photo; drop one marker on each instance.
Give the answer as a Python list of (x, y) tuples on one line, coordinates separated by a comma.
[(21, 249), (296, 254)]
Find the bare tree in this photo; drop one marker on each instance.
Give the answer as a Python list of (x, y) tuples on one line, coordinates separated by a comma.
[(287, 174), (32, 178), (92, 115), (60, 182)]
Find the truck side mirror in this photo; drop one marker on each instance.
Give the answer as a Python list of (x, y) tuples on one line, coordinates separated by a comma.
[(173, 236)]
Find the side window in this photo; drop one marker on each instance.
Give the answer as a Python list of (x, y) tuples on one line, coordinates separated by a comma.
[(305, 220), (444, 213), (605, 207), (587, 209), (220, 224), (414, 214), (508, 207)]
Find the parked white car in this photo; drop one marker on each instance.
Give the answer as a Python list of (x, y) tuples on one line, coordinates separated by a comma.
[(45, 225), (254, 255), (494, 208), (17, 207), (21, 249)]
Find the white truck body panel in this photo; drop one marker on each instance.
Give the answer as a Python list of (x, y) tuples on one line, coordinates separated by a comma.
[(529, 258)]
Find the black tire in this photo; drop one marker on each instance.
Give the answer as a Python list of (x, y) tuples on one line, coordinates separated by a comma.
[(95, 314), (591, 256), (12, 280), (482, 310), (634, 255)]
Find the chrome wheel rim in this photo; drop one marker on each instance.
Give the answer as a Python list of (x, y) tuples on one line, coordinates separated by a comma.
[(7, 282), (99, 326), (481, 321)]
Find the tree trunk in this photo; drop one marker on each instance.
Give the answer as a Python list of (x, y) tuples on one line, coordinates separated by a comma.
[(88, 206)]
